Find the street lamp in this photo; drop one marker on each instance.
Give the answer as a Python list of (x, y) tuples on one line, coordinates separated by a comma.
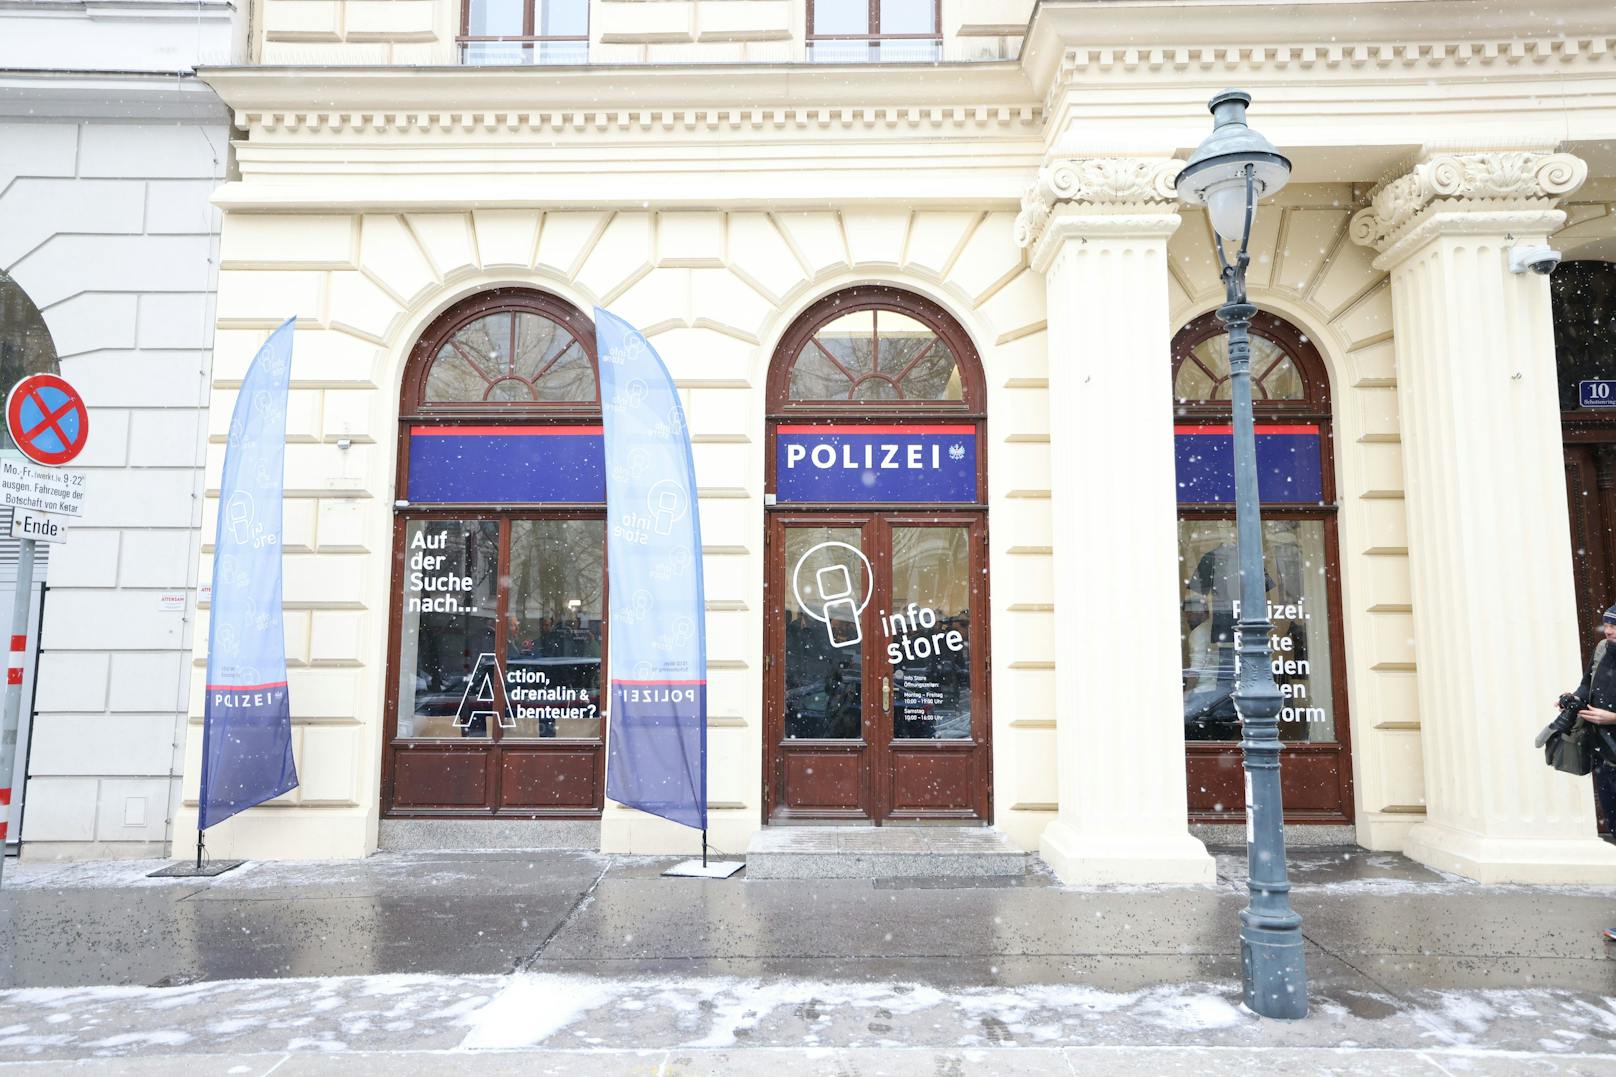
[(1227, 173)]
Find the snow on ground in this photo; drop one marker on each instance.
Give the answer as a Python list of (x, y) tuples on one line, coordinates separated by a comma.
[(474, 1013)]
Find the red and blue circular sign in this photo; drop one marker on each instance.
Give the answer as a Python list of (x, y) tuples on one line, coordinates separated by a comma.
[(47, 419)]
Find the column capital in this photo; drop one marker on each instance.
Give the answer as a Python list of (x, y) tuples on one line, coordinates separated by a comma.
[(1514, 190), (1136, 191)]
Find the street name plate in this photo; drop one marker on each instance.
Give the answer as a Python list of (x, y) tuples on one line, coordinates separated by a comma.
[(40, 526), (1597, 393), (27, 485)]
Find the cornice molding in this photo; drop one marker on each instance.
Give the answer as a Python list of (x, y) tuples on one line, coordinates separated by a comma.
[(1449, 185), (1116, 186), (1024, 118), (1550, 54)]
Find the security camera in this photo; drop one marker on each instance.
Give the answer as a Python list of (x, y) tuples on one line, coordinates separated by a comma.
[(1540, 259)]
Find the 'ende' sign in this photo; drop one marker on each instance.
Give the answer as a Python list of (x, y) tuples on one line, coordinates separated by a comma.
[(875, 464)]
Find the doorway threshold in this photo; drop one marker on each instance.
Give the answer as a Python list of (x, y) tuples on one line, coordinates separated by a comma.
[(884, 852), (438, 835)]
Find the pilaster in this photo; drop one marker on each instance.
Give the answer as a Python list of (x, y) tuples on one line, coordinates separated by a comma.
[(1495, 629), (1097, 228)]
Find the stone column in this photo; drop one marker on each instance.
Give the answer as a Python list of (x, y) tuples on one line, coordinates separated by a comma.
[(1098, 231), (1495, 629)]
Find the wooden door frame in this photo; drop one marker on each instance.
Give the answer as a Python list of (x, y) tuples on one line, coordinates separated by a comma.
[(877, 745), (493, 744), (1315, 408)]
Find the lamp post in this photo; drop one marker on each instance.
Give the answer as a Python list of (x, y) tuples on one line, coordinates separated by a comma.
[(1228, 172)]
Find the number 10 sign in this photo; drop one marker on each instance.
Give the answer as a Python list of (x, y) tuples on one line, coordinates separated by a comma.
[(1598, 394)]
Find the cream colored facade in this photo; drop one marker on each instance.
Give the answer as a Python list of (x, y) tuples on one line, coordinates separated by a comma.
[(711, 204)]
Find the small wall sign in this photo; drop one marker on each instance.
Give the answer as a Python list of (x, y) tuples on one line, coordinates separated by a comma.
[(1597, 393)]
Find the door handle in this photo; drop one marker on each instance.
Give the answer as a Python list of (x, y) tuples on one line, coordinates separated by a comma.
[(886, 693)]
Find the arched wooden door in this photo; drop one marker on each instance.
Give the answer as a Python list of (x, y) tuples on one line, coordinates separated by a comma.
[(498, 629), (876, 694), (1296, 480)]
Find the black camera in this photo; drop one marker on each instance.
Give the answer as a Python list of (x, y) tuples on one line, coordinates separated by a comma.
[(1571, 705)]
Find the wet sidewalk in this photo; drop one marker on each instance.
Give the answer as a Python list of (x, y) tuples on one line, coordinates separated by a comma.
[(523, 955)]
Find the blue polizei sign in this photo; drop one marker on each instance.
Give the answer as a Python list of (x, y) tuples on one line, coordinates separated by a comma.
[(1289, 465), (1597, 393), (247, 714), (488, 465), (656, 749), (880, 464)]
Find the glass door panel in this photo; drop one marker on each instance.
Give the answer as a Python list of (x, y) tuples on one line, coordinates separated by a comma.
[(554, 628), (451, 585), (827, 588), (927, 633)]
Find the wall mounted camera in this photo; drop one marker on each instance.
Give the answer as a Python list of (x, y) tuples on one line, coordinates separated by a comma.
[(1540, 259)]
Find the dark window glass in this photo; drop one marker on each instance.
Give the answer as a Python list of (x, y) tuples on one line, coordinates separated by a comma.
[(447, 679), (927, 633), (1584, 295), (824, 648)]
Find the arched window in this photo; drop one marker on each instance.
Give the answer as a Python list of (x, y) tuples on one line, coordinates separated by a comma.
[(499, 619), (25, 344), (503, 349), (876, 346), (1291, 400)]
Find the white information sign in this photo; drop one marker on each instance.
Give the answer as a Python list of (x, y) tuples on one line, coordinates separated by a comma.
[(40, 526), (27, 485)]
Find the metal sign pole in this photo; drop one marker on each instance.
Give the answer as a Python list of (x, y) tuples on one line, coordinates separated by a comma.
[(19, 646)]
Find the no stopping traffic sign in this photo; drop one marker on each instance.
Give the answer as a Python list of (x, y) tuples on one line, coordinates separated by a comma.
[(47, 419)]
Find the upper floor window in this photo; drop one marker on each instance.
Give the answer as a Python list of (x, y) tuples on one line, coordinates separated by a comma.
[(860, 31), (524, 32)]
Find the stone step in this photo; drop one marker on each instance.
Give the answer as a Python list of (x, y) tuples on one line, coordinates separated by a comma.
[(881, 852), (434, 835)]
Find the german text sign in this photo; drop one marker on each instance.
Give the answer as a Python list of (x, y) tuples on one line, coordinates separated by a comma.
[(1598, 393), (47, 419), (25, 485), (40, 526)]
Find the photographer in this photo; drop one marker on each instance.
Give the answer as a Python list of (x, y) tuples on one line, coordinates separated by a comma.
[(1595, 702)]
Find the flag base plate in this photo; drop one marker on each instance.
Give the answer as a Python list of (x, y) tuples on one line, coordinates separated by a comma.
[(713, 869), (187, 869)]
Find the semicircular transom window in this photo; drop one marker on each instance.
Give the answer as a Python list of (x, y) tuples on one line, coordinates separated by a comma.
[(511, 357), (1203, 372), (874, 355)]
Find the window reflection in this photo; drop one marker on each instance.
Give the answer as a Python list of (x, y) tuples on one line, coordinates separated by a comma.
[(554, 628), (927, 633), (827, 587), (447, 640), (1295, 580)]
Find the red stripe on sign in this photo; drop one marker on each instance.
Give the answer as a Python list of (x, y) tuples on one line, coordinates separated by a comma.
[(19, 643), (860, 428), (2, 831), (617, 682), (1297, 428), (244, 687), (14, 675), (500, 431), (5, 796)]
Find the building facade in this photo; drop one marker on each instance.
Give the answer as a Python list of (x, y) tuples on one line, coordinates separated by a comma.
[(110, 149), (942, 236)]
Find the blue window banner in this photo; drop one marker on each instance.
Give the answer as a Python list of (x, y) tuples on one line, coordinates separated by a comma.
[(506, 465), (1289, 463), (656, 745), (915, 463), (247, 710)]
